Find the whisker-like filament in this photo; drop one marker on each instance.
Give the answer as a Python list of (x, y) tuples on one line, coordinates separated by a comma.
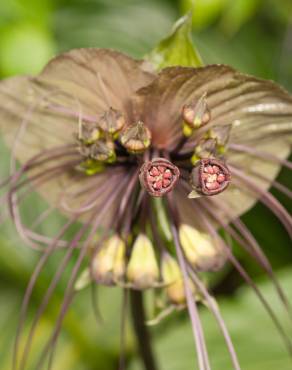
[(216, 312), (92, 200), (247, 278), (69, 292), (53, 285), (265, 197), (31, 284), (49, 172), (14, 204), (260, 154), (203, 360), (96, 216), (277, 185), (250, 244)]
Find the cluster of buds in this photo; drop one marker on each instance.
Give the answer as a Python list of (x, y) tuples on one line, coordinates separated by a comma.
[(96, 139), (111, 265), (209, 177), (158, 176), (195, 115)]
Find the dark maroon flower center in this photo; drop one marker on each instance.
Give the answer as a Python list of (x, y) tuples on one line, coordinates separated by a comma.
[(158, 176), (213, 177), (210, 176)]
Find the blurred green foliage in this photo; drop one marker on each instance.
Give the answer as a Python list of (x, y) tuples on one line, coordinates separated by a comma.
[(254, 36), (256, 340)]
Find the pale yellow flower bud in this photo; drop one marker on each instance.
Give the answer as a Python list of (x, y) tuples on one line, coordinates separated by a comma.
[(200, 249), (173, 279), (136, 138), (143, 270), (108, 265)]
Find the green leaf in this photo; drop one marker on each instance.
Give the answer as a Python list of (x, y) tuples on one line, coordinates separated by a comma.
[(177, 48)]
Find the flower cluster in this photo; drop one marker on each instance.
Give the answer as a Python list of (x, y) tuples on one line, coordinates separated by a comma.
[(151, 165)]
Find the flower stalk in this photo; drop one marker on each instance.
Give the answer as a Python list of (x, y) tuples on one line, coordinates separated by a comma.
[(142, 333)]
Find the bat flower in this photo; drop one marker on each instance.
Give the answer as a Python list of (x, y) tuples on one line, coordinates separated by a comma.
[(146, 167)]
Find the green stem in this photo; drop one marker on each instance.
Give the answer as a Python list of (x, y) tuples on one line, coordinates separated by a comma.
[(142, 334)]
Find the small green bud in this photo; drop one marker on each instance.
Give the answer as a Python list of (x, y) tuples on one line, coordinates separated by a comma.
[(136, 138), (89, 133), (173, 279), (220, 134), (112, 121), (102, 151), (200, 249), (206, 148), (108, 264), (142, 270), (196, 114), (212, 144)]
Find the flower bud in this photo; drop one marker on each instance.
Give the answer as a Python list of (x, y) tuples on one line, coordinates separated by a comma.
[(112, 121), (209, 177), (200, 249), (102, 151), (158, 176), (142, 270), (136, 138), (196, 114), (206, 148), (220, 134), (108, 264), (89, 133), (173, 279)]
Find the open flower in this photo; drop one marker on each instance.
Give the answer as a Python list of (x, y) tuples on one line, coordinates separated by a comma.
[(114, 146)]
